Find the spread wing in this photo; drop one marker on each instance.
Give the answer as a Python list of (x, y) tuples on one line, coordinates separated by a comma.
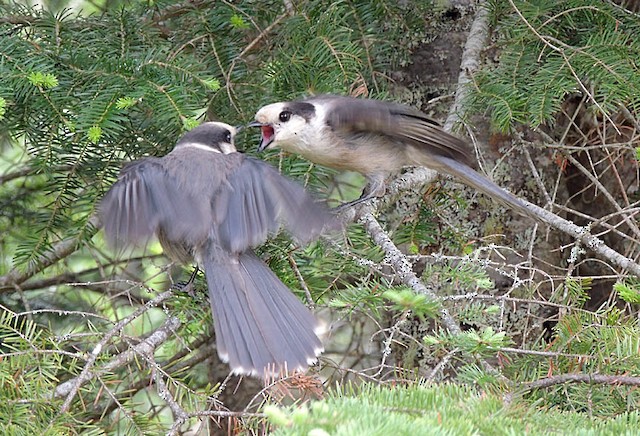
[(397, 121), (257, 200), (146, 198)]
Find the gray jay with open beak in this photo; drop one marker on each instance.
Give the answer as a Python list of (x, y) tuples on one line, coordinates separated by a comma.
[(206, 202), (374, 138)]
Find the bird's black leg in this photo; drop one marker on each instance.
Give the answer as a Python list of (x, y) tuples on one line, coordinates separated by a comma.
[(188, 285), (375, 187), (363, 197)]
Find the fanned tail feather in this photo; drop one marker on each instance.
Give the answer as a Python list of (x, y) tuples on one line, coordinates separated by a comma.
[(262, 329)]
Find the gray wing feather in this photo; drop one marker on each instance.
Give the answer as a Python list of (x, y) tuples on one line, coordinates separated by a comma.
[(258, 200), (397, 121), (146, 198)]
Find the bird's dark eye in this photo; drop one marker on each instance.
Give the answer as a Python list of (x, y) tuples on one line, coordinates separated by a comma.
[(285, 116), (228, 137)]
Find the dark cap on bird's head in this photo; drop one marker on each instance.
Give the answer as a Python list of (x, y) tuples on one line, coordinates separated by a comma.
[(211, 135)]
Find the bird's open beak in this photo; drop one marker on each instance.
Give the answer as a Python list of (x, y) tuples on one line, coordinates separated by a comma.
[(268, 134)]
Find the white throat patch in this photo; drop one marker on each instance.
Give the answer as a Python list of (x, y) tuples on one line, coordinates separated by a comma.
[(225, 147), (200, 146)]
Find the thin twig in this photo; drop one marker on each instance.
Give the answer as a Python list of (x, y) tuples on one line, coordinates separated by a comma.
[(303, 284), (562, 53), (629, 220)]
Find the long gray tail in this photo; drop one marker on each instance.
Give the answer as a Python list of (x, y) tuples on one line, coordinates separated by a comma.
[(476, 180), (261, 328)]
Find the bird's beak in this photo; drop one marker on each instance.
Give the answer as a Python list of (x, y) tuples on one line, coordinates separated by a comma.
[(268, 134), (240, 128)]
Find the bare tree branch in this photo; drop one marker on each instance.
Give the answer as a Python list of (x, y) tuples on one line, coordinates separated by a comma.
[(403, 267), (180, 416), (59, 251), (18, 20), (583, 378), (469, 64), (583, 235), (70, 388)]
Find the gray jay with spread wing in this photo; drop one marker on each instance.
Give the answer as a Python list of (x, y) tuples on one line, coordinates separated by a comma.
[(374, 138), (206, 202)]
